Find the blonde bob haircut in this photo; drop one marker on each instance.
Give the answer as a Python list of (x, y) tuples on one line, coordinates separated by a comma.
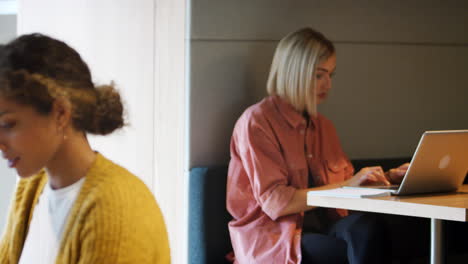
[(293, 68)]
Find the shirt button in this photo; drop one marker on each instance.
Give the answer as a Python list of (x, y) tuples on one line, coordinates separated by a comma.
[(310, 156), (302, 131)]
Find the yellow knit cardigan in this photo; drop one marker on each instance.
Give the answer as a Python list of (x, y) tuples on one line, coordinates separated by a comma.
[(114, 220)]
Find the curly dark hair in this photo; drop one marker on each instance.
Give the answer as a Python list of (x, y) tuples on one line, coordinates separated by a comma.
[(36, 69)]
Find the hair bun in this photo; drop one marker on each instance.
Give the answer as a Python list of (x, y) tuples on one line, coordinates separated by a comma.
[(108, 115)]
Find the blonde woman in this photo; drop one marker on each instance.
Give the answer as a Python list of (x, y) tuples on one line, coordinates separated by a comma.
[(281, 148), (72, 205)]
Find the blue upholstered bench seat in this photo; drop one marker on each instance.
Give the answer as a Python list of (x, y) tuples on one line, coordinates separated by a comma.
[(209, 240)]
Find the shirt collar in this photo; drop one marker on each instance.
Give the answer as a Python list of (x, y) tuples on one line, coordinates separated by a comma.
[(290, 114)]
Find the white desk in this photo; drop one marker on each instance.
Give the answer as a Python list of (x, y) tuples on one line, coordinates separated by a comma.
[(437, 207)]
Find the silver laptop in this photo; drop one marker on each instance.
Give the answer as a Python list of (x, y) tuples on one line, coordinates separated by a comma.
[(439, 164)]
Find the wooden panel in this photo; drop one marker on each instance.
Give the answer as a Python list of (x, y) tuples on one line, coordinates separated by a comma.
[(419, 21), (170, 122)]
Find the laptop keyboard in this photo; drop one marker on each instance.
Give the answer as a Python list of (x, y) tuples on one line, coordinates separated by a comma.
[(384, 187)]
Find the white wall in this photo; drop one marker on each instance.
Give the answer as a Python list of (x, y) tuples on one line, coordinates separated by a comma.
[(401, 69), (7, 176), (117, 43), (8, 7)]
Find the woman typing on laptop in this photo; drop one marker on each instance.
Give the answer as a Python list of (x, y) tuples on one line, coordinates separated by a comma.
[(282, 148)]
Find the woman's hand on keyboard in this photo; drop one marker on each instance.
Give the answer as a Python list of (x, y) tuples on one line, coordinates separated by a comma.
[(396, 175), (369, 176)]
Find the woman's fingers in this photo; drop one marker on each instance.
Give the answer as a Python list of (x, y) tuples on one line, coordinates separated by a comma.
[(396, 175), (368, 179), (404, 166), (380, 178), (397, 172), (376, 177), (376, 169), (372, 175)]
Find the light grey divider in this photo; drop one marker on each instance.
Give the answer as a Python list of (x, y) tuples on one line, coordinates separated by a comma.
[(385, 96), (7, 186), (400, 69), (416, 21), (7, 28), (7, 176), (226, 78)]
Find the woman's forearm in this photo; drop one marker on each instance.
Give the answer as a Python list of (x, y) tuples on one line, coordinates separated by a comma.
[(298, 202)]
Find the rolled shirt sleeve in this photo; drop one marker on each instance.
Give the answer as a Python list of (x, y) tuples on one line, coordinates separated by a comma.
[(264, 165)]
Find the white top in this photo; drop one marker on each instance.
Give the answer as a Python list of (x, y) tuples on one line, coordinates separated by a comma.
[(49, 217)]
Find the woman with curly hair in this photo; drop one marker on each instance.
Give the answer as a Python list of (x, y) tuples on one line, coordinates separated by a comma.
[(72, 204)]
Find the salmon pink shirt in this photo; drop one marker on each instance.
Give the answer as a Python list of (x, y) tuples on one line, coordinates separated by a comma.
[(274, 148)]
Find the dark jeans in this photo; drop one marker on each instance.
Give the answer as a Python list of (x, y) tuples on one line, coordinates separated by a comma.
[(356, 239)]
